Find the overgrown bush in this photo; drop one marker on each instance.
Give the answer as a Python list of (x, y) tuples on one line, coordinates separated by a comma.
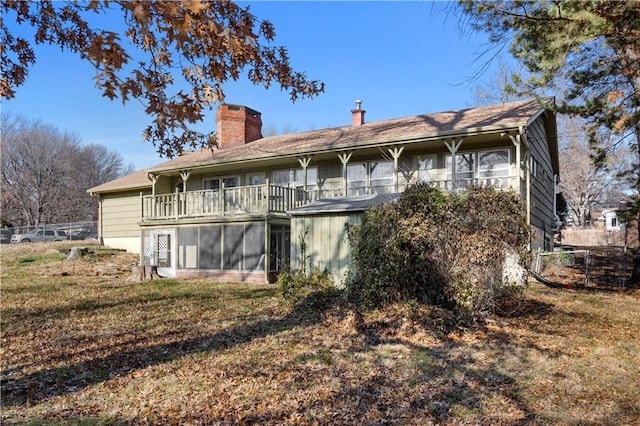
[(437, 248)]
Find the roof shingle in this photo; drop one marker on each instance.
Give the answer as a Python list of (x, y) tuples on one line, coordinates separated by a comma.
[(502, 116)]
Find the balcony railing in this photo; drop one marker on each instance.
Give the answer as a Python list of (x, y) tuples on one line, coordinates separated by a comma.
[(261, 199), (239, 200)]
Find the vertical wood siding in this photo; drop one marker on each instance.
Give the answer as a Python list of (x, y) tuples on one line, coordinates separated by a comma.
[(327, 243)]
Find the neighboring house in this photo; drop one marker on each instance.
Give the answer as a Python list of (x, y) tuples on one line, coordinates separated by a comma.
[(241, 211), (604, 229)]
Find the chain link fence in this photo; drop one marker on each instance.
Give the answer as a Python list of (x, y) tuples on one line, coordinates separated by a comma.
[(600, 267), (73, 230)]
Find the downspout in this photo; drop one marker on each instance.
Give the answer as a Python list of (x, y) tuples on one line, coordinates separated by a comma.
[(555, 206), (527, 171), (267, 234), (100, 238), (267, 249)]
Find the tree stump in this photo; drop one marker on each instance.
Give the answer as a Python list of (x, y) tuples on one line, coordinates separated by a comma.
[(109, 269), (143, 273), (76, 253)]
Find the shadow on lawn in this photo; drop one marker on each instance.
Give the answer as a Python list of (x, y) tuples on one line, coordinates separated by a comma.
[(42, 385), (450, 381)]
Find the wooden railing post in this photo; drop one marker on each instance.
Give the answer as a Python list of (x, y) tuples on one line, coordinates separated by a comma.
[(176, 203)]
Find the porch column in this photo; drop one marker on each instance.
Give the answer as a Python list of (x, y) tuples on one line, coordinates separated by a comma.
[(395, 154), (344, 159), (153, 177), (452, 146), (267, 247), (184, 175), (523, 164), (304, 163)]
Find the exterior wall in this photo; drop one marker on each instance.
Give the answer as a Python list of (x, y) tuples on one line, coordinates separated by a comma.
[(327, 243), (225, 251), (330, 168), (120, 214), (130, 244), (165, 185), (542, 195), (326, 240)]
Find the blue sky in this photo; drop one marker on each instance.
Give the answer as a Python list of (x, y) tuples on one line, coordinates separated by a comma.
[(399, 58)]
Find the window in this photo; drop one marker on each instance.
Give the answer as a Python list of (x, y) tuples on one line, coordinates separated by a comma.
[(425, 169), (230, 247), (481, 165), (381, 174), (493, 163), (216, 183), (465, 166), (356, 176), (294, 178), (256, 179), (533, 164), (378, 175), (282, 178)]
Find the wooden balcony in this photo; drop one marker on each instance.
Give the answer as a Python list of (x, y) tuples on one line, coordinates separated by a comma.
[(264, 199), (241, 200)]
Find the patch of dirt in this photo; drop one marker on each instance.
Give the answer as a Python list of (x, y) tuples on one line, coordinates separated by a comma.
[(101, 262)]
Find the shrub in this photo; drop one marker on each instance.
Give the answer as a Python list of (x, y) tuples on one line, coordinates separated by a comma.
[(437, 248), (296, 284)]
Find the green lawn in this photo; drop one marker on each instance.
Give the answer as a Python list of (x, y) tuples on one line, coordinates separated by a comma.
[(84, 349)]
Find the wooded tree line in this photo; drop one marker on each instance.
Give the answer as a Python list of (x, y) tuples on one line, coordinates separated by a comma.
[(46, 173)]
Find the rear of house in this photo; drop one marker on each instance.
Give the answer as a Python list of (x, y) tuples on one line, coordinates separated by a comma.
[(245, 210)]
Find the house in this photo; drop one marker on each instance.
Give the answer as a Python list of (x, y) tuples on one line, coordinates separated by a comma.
[(604, 229), (241, 211)]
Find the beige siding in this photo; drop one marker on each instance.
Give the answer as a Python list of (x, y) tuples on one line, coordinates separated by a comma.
[(165, 185), (120, 215), (327, 243)]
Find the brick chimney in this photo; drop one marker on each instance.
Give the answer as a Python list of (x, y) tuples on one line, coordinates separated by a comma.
[(357, 115), (237, 125)]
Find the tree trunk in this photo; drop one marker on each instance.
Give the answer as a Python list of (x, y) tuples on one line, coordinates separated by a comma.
[(76, 253), (143, 273), (634, 281)]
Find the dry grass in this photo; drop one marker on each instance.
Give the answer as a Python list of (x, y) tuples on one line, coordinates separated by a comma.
[(84, 349)]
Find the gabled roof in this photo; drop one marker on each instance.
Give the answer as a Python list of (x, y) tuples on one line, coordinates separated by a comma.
[(136, 180), (502, 117)]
